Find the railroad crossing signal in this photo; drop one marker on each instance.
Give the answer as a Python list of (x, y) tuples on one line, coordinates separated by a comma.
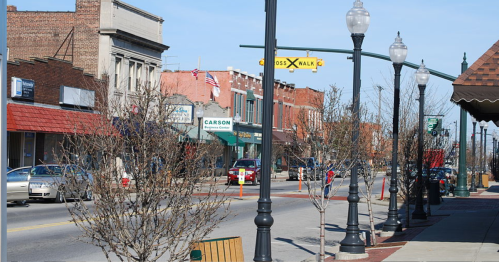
[(296, 62)]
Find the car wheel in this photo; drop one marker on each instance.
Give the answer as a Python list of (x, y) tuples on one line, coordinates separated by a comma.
[(87, 196), (59, 198)]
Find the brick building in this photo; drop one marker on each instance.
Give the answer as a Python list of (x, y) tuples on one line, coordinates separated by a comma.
[(242, 93), (106, 37), (46, 98)]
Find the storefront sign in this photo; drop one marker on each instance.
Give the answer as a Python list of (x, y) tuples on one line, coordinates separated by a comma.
[(219, 124), (181, 114), (22, 88)]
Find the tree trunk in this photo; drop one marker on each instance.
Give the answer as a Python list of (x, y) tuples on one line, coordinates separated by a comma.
[(323, 232), (371, 222)]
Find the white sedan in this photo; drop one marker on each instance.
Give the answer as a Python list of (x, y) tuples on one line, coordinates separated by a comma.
[(18, 185)]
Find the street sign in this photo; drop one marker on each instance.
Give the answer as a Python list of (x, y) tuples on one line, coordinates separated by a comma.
[(432, 123), (296, 62), (241, 176)]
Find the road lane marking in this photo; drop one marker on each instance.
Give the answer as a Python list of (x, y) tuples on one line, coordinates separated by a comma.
[(39, 226)]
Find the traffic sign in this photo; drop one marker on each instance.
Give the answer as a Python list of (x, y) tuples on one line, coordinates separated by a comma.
[(242, 173), (296, 62)]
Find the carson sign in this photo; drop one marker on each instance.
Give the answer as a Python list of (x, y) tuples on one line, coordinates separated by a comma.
[(218, 124)]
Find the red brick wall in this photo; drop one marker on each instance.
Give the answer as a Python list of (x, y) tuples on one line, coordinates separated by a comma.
[(40, 34), (49, 75)]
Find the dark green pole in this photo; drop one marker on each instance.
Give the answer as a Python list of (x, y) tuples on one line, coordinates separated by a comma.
[(264, 219), (461, 190)]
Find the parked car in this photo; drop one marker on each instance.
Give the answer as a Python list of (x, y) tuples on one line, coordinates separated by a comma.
[(52, 182), (251, 168), (309, 165), (18, 185), (389, 170)]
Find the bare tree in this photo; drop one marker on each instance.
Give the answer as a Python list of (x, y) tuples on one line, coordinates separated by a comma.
[(171, 201), (326, 130)]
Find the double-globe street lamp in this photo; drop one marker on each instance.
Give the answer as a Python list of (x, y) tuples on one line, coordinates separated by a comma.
[(357, 19), (199, 114), (398, 53), (422, 77), (473, 157)]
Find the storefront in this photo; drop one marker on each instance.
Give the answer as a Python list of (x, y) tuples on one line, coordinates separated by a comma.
[(35, 135)]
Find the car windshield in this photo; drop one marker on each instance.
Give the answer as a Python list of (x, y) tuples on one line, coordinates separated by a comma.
[(46, 171), (244, 163)]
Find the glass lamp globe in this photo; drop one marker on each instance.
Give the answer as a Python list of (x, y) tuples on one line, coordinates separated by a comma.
[(237, 118), (358, 18), (398, 50), (422, 74), (200, 112)]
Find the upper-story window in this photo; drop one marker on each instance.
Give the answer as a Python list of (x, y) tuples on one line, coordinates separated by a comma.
[(138, 73), (279, 116), (117, 71), (152, 76), (131, 76)]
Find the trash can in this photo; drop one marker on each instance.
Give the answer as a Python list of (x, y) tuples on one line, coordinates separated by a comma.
[(485, 180), (434, 193), (218, 249)]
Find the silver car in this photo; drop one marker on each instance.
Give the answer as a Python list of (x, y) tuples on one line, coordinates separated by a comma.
[(18, 185), (55, 183)]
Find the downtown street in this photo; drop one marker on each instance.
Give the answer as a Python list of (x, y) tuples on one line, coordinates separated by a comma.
[(43, 231)]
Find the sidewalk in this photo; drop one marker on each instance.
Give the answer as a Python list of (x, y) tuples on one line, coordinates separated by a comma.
[(459, 229)]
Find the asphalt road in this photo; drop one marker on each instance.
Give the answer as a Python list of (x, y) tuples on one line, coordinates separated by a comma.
[(42, 231)]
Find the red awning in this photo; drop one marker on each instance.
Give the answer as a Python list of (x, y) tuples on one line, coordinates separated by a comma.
[(27, 118)]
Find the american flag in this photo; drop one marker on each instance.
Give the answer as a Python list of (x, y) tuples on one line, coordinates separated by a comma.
[(194, 73), (209, 80)]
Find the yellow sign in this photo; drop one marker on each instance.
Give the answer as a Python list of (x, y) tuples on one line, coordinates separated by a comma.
[(242, 176), (297, 62)]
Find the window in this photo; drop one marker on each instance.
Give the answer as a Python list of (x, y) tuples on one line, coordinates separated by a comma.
[(260, 116), (240, 105), (117, 71), (235, 105), (257, 111), (279, 117), (249, 111), (152, 78), (131, 76), (138, 79)]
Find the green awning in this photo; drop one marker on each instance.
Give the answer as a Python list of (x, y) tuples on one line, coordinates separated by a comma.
[(228, 138), (250, 96)]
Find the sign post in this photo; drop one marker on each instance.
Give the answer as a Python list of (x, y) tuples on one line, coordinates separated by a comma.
[(300, 177), (241, 177)]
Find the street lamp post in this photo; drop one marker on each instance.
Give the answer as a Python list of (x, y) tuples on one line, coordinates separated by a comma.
[(398, 53), (473, 149), (493, 166), (357, 19), (480, 185), (264, 219), (237, 119), (422, 77), (484, 150), (199, 114)]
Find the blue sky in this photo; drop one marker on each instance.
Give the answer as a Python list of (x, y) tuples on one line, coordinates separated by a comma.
[(437, 31)]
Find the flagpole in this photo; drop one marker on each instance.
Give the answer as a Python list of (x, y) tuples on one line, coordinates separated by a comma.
[(199, 68)]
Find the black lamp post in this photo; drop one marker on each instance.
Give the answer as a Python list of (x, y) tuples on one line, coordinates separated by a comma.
[(264, 219), (422, 77), (357, 19), (484, 149), (237, 119), (398, 53), (199, 114), (493, 166), (473, 161), (480, 185)]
